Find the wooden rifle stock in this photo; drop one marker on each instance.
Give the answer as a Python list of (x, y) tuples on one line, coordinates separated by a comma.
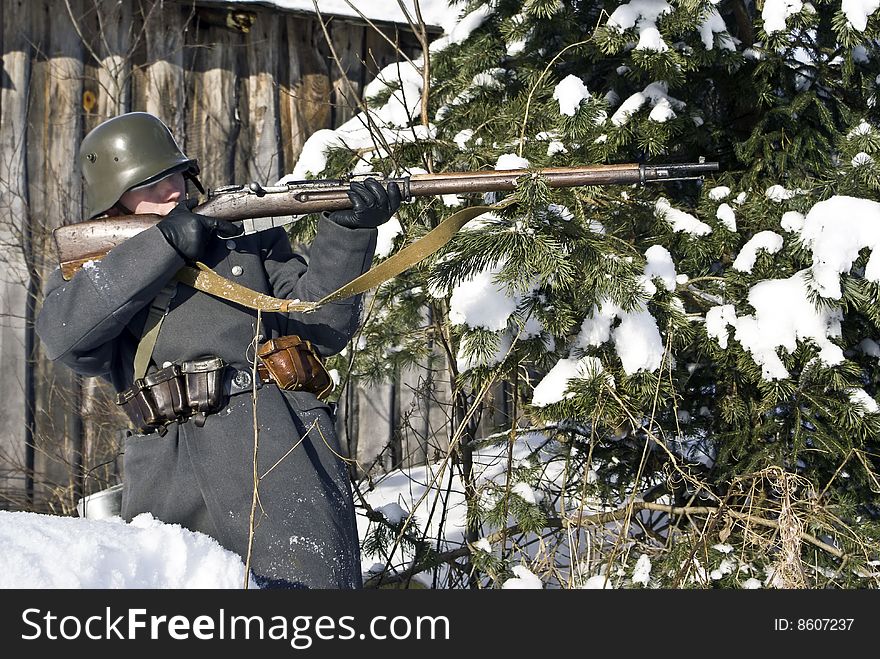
[(80, 243)]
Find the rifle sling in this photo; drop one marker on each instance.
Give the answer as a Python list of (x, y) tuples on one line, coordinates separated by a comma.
[(202, 278), (158, 310)]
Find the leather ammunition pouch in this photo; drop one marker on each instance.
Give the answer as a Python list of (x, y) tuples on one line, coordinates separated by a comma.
[(194, 389), (293, 364), (175, 393)]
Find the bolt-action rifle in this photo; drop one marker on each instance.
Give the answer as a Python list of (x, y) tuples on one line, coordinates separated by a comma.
[(91, 240)]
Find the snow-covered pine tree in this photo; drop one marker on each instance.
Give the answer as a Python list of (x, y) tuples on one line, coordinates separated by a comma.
[(701, 359)]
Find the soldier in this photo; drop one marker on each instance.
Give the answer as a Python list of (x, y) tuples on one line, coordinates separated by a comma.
[(191, 463)]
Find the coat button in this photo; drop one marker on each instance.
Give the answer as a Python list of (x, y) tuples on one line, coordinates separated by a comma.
[(237, 270), (230, 244)]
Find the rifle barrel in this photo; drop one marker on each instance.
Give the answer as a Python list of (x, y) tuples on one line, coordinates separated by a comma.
[(562, 177)]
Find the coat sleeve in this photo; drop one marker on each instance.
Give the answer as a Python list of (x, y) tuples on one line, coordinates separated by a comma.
[(337, 255), (81, 318)]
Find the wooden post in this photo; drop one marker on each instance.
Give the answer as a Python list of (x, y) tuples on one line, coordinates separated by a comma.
[(264, 165), (348, 73), (16, 423), (108, 28), (113, 47), (164, 94), (214, 124), (54, 191), (314, 91)]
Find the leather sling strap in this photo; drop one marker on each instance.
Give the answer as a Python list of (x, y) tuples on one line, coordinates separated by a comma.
[(202, 278)]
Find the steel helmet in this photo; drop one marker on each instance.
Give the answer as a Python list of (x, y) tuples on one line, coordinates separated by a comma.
[(126, 152)]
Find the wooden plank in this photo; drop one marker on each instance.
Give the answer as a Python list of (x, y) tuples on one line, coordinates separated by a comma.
[(213, 125), (164, 89), (14, 281), (107, 30), (114, 50), (375, 424), (378, 52), (54, 191), (264, 156), (439, 405), (294, 128), (313, 95), (347, 69), (347, 425), (413, 387)]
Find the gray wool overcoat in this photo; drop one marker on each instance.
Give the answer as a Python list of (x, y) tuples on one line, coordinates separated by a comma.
[(202, 478)]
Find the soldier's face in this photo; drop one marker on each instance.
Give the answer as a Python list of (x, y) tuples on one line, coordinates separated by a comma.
[(159, 198)]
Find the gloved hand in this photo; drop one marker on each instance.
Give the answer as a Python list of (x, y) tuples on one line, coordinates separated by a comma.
[(371, 205), (188, 233)]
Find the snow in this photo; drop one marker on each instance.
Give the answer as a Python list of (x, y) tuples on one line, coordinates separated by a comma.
[(434, 12), (526, 493), (629, 107), (775, 12), (783, 316), (719, 192), (637, 342), (792, 221), (836, 230), (659, 264), (869, 347), (509, 161), (551, 389), (387, 233), (717, 320), (657, 94), (637, 339), (713, 25), (769, 241), (355, 135), (46, 551), (864, 401), (570, 93), (662, 111), (524, 579), (459, 31), (483, 545), (597, 582), (726, 216), (462, 138), (680, 220), (393, 512), (643, 15), (426, 483), (858, 11), (596, 328), (778, 193), (642, 571), (864, 128), (479, 301)]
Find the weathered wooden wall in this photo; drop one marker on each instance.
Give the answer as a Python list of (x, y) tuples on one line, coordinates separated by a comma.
[(242, 89)]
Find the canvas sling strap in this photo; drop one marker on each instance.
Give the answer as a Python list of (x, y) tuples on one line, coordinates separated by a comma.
[(202, 278), (158, 310)]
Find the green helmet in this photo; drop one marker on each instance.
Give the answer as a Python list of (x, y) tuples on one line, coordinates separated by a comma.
[(126, 152)]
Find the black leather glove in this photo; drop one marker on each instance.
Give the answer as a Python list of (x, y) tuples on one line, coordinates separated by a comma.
[(371, 205), (188, 233)]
